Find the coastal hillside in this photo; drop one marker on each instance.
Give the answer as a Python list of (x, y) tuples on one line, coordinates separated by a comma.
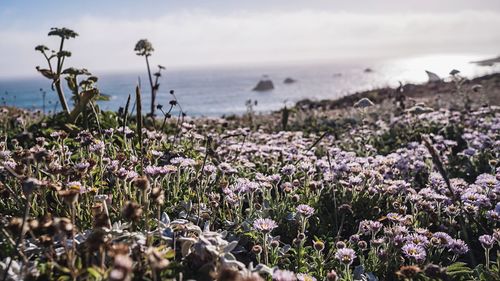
[(250, 140)]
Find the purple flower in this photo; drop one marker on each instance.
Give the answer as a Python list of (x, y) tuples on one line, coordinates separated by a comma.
[(441, 239), (288, 170), (395, 217), (345, 255), (76, 185), (469, 152), (284, 275), (418, 239), (82, 166), (475, 198), (487, 241), (305, 210), (226, 168), (413, 251), (152, 171), (458, 247), (493, 215), (244, 186), (496, 235), (305, 277), (187, 162), (399, 240), (232, 198), (210, 169), (264, 225), (368, 226), (97, 147), (176, 160)]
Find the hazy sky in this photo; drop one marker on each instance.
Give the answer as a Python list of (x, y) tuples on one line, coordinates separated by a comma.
[(230, 32)]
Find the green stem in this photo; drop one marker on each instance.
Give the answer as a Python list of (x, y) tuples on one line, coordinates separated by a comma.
[(153, 91), (57, 81)]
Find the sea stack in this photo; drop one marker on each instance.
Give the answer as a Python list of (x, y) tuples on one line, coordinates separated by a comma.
[(289, 80), (264, 85), (433, 77)]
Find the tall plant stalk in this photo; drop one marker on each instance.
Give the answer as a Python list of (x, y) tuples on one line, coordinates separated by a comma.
[(145, 48)]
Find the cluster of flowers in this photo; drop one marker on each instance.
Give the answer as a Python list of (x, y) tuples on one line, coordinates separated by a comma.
[(295, 207)]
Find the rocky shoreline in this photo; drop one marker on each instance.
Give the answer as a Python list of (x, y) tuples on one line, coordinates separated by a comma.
[(490, 86)]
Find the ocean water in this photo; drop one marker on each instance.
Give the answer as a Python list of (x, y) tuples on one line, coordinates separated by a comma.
[(223, 91)]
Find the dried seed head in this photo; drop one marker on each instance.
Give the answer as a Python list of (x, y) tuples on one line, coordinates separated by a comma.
[(63, 225), (158, 195), (101, 220), (228, 274), (96, 239), (41, 155), (121, 269), (97, 209), (408, 272), (119, 249), (45, 240), (156, 259), (131, 211), (15, 225), (46, 221), (70, 196), (29, 185), (33, 224), (435, 271), (142, 183)]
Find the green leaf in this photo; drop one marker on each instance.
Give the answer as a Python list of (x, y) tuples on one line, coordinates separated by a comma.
[(104, 97), (63, 278), (457, 266), (170, 254), (95, 273)]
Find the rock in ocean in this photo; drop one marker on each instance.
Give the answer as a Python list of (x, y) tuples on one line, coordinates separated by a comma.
[(264, 85)]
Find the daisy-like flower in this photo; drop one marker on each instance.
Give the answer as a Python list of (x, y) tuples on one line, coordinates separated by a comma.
[(176, 160), (369, 226), (395, 217), (418, 239), (487, 241), (413, 251), (288, 170), (305, 277), (264, 225), (152, 171), (76, 185), (284, 275), (345, 255), (458, 247), (97, 147), (474, 198), (305, 210), (209, 169), (441, 239)]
